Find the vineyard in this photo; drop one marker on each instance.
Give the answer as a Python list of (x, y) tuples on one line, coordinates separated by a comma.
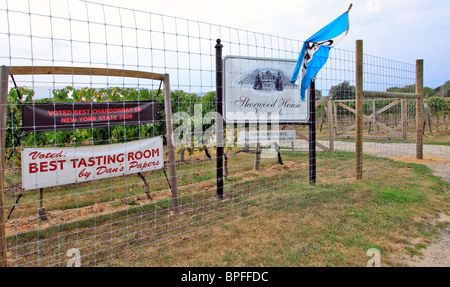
[(438, 110), (95, 212), (131, 208)]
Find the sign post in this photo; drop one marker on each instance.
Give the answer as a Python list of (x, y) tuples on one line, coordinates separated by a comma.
[(312, 133), (219, 119), (170, 144), (3, 103), (359, 110)]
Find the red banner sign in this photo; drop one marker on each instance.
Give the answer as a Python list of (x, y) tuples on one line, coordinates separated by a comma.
[(60, 116)]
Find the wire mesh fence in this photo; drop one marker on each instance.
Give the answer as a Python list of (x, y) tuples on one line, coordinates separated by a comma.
[(102, 193)]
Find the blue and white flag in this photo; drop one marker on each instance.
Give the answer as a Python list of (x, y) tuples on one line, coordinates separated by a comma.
[(315, 51)]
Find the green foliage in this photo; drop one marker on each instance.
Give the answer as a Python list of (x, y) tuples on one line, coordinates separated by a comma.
[(399, 196), (444, 90), (320, 111), (343, 91), (447, 89), (437, 106), (428, 92), (405, 89), (447, 108)]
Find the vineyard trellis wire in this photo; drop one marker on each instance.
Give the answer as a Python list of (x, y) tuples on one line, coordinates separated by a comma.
[(124, 219)]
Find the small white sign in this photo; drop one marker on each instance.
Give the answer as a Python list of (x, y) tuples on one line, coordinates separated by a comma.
[(266, 137), (46, 167)]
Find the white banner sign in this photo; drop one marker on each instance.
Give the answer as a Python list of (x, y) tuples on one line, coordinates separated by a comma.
[(45, 167), (266, 136), (259, 89)]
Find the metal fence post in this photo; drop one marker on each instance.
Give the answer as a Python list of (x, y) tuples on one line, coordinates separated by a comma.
[(219, 119), (359, 109), (3, 103), (312, 133)]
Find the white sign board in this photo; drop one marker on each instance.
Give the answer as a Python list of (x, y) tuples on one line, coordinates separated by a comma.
[(45, 167), (259, 89), (266, 136)]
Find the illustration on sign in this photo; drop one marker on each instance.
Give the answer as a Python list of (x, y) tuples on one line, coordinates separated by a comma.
[(265, 81)]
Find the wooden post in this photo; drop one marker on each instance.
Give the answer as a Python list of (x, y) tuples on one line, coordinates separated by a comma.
[(330, 125), (41, 210), (404, 107), (374, 108), (419, 109), (170, 144), (258, 157), (335, 119), (3, 103), (359, 108), (427, 118)]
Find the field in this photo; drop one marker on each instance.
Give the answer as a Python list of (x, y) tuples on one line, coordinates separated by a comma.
[(113, 221), (332, 227), (329, 225)]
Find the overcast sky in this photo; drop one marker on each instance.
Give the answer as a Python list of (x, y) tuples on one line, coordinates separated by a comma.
[(403, 30)]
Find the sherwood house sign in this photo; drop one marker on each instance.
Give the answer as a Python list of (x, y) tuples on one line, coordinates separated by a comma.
[(259, 90)]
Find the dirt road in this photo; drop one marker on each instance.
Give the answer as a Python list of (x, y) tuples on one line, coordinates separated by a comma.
[(437, 157)]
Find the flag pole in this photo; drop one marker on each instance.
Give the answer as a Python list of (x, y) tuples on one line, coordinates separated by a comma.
[(312, 133), (350, 7)]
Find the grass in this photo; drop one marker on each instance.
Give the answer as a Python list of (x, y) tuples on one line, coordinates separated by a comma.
[(90, 193), (271, 220), (333, 227), (399, 196), (415, 250), (443, 138), (105, 237)]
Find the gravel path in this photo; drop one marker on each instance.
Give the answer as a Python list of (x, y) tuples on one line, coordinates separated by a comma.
[(437, 158), (436, 254)]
